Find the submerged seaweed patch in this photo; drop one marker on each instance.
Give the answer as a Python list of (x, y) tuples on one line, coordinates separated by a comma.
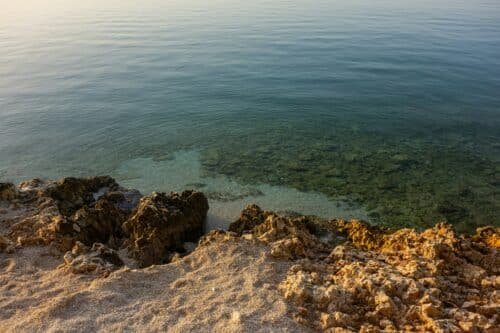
[(402, 181)]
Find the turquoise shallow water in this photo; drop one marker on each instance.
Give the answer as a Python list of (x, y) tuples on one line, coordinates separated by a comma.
[(386, 110)]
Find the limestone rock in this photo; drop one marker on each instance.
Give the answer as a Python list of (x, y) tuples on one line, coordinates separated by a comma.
[(382, 280), (162, 223), (73, 193), (98, 223), (250, 217)]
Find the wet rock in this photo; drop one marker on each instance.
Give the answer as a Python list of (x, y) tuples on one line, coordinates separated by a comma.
[(162, 223), (230, 196), (97, 259), (196, 185)]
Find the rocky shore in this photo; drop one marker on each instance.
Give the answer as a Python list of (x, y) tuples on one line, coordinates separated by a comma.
[(90, 255)]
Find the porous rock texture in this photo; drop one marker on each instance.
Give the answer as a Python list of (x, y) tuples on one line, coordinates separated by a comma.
[(88, 211), (162, 223), (434, 281), (69, 262)]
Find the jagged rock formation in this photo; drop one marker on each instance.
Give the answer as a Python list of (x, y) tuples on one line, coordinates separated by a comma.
[(250, 217), (73, 193), (98, 211), (330, 275), (379, 280), (162, 223)]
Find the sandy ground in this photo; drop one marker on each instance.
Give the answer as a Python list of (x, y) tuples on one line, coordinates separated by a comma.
[(270, 273), (219, 287)]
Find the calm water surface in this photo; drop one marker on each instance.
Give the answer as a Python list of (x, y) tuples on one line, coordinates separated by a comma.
[(384, 110)]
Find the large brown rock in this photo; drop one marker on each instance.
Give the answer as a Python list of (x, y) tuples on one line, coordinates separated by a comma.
[(71, 193), (88, 210), (162, 222), (98, 223)]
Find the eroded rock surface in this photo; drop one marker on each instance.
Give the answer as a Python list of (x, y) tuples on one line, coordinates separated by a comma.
[(250, 217), (332, 276), (99, 211), (161, 223), (432, 281), (72, 209), (71, 193)]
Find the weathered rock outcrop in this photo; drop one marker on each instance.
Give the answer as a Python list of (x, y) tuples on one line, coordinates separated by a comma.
[(71, 193), (378, 280), (69, 210), (336, 276), (161, 223), (250, 217), (99, 223), (97, 210)]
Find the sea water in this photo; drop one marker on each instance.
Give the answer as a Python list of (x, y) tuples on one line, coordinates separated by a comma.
[(383, 110)]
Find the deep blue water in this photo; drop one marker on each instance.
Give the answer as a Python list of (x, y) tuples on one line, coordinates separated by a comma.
[(88, 88)]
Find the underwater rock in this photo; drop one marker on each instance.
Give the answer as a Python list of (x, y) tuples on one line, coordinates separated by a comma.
[(229, 196), (196, 185), (451, 211), (401, 179), (162, 223)]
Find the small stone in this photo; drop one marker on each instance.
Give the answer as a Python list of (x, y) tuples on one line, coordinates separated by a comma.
[(469, 305), (76, 227), (430, 310)]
